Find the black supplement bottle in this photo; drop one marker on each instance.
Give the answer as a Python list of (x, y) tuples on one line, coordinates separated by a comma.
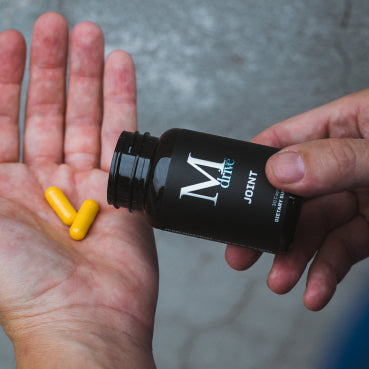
[(205, 186)]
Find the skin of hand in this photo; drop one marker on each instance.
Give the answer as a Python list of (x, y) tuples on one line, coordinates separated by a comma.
[(87, 303), (325, 158)]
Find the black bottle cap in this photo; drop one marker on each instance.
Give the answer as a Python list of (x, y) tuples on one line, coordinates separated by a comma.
[(130, 169)]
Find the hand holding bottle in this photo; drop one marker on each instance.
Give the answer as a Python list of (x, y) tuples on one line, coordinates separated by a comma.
[(324, 157)]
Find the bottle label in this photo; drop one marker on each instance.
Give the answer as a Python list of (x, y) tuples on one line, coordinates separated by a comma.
[(217, 189)]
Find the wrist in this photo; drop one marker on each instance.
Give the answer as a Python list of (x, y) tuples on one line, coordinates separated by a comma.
[(84, 343), (50, 352)]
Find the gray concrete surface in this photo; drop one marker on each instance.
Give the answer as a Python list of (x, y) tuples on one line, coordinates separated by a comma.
[(233, 68)]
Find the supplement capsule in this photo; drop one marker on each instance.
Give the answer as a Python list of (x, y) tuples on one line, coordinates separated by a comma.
[(84, 219), (60, 205)]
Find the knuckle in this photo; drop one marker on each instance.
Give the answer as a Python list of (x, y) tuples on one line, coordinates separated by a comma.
[(343, 156)]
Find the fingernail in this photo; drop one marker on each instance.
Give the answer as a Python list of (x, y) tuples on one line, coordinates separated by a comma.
[(288, 167)]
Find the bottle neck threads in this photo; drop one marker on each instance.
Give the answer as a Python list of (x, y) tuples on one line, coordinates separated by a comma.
[(130, 169)]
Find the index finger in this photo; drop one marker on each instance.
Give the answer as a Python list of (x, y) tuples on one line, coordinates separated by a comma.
[(345, 117)]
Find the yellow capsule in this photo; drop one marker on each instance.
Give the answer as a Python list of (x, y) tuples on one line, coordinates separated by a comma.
[(60, 205), (84, 219)]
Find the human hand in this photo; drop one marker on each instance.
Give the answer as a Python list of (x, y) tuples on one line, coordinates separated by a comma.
[(325, 157), (87, 303)]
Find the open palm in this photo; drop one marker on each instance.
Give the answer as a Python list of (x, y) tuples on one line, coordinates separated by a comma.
[(111, 277)]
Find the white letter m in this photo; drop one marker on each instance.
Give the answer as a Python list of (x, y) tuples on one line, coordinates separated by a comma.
[(196, 163)]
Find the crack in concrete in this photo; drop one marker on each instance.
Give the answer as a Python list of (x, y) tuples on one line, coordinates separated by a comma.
[(346, 65), (285, 345), (60, 5), (229, 317), (346, 14), (339, 46)]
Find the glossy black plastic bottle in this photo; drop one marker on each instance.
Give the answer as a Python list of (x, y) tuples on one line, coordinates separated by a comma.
[(205, 186)]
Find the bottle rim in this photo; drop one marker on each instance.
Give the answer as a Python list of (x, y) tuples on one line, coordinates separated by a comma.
[(124, 145), (127, 176)]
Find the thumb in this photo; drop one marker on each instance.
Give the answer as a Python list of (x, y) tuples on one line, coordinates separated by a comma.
[(319, 167)]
